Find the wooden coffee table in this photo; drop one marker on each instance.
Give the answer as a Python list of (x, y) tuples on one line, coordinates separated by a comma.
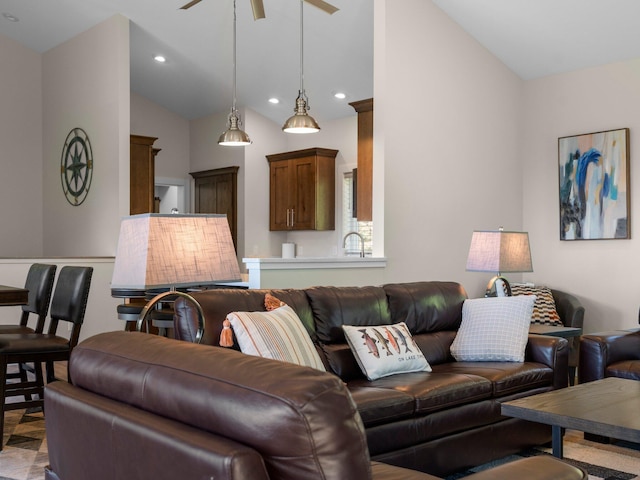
[(607, 407)]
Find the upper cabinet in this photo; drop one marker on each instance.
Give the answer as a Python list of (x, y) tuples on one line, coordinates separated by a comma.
[(364, 192), (142, 174), (302, 189)]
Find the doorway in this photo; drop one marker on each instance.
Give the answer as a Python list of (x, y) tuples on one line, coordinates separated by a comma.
[(170, 194)]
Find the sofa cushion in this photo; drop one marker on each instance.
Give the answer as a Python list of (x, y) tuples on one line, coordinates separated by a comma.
[(493, 329), (383, 471), (507, 378), (336, 306), (436, 346), (341, 361), (278, 334), (544, 308), (435, 391), (385, 350), (381, 405), (624, 369), (426, 306)]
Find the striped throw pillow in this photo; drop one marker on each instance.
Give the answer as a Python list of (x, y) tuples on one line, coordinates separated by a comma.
[(544, 308), (278, 334)]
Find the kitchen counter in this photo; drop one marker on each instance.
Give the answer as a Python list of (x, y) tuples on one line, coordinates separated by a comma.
[(301, 272)]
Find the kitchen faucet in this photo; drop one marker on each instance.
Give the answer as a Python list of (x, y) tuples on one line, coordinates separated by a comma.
[(344, 242)]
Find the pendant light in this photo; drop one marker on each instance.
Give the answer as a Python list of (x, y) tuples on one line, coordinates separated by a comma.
[(301, 121), (234, 136)]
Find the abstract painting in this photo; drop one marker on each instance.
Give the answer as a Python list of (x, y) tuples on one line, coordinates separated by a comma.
[(594, 185)]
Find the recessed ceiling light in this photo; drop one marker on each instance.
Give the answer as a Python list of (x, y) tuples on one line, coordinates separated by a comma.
[(274, 100), (340, 95), (160, 58), (11, 18)]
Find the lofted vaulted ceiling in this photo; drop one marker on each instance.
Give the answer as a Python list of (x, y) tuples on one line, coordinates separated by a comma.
[(196, 79), (534, 38)]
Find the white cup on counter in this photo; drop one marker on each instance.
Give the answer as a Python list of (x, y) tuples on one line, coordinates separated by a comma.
[(288, 250)]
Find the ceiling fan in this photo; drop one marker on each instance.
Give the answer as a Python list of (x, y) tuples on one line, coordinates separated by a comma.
[(258, 7)]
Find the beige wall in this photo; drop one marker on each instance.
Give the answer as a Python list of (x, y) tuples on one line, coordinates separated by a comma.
[(448, 131), (256, 240), (20, 150), (172, 131), (603, 273), (86, 84)]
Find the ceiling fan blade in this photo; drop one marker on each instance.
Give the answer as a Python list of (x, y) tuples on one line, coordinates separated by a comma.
[(322, 5), (190, 4), (258, 9)]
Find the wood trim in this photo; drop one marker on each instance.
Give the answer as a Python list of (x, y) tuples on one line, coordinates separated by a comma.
[(215, 171), (363, 105), (307, 152), (364, 192)]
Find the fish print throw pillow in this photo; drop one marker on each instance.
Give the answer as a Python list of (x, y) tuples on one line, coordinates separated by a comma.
[(385, 350)]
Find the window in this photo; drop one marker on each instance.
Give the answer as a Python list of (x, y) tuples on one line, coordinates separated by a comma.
[(350, 224)]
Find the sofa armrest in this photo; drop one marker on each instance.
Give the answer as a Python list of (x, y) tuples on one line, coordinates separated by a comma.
[(571, 314), (599, 350), (569, 308), (552, 352), (91, 436)]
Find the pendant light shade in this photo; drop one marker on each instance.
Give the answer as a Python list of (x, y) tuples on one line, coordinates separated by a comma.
[(234, 136), (301, 121)]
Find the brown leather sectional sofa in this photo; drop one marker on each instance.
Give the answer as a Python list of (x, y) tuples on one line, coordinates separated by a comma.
[(439, 422), (145, 407)]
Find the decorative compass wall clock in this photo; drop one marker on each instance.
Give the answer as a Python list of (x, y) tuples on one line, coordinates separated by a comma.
[(76, 166)]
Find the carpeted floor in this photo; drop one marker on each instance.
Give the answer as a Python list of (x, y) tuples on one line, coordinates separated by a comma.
[(25, 452)]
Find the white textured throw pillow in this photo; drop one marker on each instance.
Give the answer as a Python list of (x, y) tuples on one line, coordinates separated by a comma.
[(493, 329), (278, 334), (385, 350)]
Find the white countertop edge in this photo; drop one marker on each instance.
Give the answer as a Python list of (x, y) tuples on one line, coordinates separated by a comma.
[(300, 263)]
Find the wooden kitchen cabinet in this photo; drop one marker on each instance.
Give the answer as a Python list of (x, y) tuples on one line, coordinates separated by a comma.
[(302, 189), (142, 157)]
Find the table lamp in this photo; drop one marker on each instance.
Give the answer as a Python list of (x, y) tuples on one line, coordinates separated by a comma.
[(171, 251), (501, 252)]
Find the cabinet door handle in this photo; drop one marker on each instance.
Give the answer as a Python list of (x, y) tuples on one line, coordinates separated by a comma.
[(288, 217), (293, 211)]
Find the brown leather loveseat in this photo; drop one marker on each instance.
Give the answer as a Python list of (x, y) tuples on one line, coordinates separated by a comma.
[(438, 422), (142, 407)]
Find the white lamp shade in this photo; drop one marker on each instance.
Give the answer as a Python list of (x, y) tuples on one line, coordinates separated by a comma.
[(500, 252), (157, 250)]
